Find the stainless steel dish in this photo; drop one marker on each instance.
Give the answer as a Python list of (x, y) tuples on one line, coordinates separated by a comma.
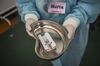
[(58, 34)]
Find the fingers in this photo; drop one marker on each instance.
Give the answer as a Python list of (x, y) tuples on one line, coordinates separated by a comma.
[(71, 31), (28, 27), (29, 33), (28, 23), (71, 25), (29, 19)]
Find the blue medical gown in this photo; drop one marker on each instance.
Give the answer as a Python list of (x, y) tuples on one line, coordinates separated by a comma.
[(85, 10)]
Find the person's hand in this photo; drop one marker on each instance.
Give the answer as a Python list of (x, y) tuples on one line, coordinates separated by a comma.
[(71, 25), (29, 19), (71, 30)]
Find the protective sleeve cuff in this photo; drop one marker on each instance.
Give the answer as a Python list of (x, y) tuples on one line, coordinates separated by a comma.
[(33, 16), (75, 22)]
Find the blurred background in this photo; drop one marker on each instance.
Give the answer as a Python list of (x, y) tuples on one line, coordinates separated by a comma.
[(17, 48)]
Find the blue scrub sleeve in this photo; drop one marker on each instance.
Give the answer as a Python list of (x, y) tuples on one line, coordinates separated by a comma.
[(85, 10), (26, 7)]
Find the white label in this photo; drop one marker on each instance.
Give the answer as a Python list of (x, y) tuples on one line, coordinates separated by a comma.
[(57, 7)]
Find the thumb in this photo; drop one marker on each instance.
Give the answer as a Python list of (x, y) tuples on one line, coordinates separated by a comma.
[(28, 24), (28, 27), (71, 31)]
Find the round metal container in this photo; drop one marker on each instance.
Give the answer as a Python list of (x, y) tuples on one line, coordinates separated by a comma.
[(58, 34)]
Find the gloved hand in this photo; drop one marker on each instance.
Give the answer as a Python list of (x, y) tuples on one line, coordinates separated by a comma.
[(29, 19), (71, 25)]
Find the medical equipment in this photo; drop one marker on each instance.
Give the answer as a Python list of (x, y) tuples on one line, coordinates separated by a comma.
[(51, 39)]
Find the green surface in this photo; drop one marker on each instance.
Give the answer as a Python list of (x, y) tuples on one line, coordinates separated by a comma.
[(17, 49)]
